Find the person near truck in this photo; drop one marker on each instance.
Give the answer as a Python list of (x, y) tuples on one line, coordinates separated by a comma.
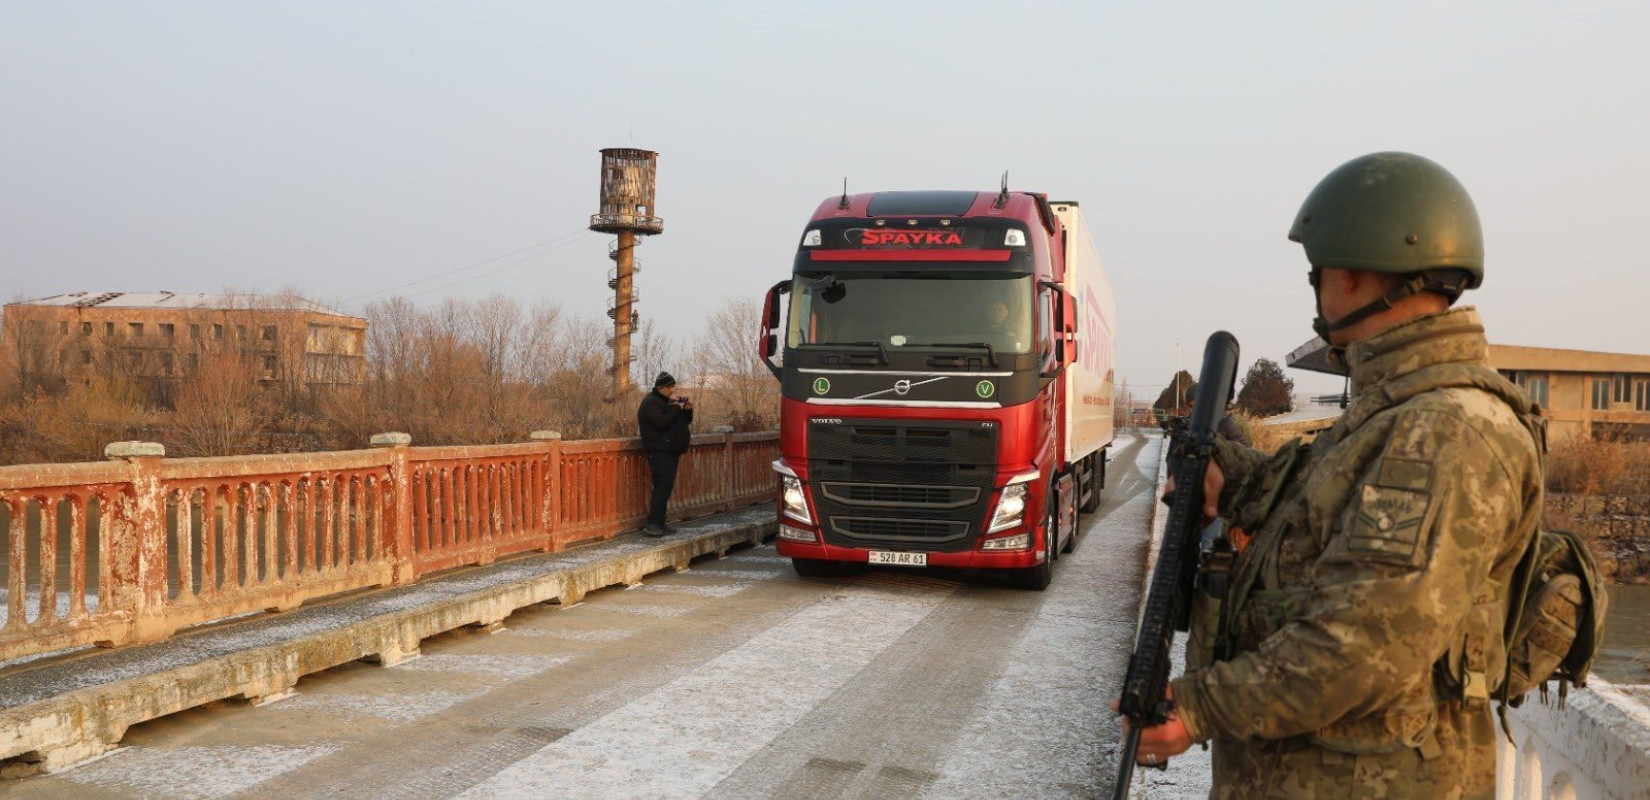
[(663, 420), (1358, 641)]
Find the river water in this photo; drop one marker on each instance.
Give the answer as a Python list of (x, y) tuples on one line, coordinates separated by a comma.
[(1625, 657)]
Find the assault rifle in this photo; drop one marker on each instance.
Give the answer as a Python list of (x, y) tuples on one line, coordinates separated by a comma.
[(1185, 544)]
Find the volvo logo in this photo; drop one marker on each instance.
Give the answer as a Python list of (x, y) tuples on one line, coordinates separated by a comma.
[(902, 387)]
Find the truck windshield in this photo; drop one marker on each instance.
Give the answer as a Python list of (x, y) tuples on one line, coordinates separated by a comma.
[(912, 311)]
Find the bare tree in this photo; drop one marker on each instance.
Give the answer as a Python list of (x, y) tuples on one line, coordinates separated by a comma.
[(655, 353), (74, 425), (220, 409), (730, 368)]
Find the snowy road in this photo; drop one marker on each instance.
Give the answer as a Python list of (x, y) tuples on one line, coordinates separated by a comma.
[(733, 679)]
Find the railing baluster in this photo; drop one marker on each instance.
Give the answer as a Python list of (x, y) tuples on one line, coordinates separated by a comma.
[(475, 525), (268, 520), (17, 576), (48, 560), (329, 520), (358, 520), (289, 528), (438, 514), (231, 536), (77, 555), (185, 540), (105, 557)]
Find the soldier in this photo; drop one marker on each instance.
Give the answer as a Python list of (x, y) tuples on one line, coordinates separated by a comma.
[(1360, 638)]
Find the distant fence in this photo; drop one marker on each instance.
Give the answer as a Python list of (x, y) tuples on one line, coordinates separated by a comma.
[(138, 547)]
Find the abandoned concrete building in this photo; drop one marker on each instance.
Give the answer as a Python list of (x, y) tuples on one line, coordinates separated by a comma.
[(157, 338)]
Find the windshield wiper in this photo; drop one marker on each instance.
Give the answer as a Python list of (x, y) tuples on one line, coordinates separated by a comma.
[(881, 353), (990, 352)]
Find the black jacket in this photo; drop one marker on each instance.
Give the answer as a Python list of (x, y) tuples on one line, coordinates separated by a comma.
[(663, 427)]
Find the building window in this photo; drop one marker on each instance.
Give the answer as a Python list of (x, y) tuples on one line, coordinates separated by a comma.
[(217, 333), (85, 329), (134, 359), (1641, 395), (86, 357), (63, 327), (166, 364), (1601, 394), (195, 332), (269, 367), (1623, 382), (1536, 385), (194, 360), (135, 328), (108, 329), (269, 333), (240, 333), (166, 330)]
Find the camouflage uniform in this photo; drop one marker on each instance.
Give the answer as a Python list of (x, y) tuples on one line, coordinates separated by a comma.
[(1362, 629)]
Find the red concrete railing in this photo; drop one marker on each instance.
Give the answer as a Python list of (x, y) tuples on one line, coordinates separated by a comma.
[(136, 548)]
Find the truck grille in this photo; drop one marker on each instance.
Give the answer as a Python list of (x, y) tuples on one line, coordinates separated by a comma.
[(917, 531), (900, 496), (902, 485)]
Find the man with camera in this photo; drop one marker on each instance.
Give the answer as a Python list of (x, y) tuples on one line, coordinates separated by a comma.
[(663, 420)]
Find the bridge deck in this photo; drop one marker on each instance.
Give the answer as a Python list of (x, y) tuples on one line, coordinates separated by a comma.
[(732, 679)]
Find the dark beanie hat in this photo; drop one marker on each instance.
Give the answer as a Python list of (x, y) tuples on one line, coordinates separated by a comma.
[(664, 379)]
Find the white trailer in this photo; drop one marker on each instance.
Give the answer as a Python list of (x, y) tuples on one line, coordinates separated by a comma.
[(1089, 379)]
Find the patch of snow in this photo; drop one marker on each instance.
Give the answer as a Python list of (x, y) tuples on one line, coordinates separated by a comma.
[(701, 590), (508, 667), (31, 604), (684, 727), (598, 635), (397, 708), (658, 612), (193, 771)]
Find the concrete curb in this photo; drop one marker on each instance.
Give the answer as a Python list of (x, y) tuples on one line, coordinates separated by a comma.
[(61, 729)]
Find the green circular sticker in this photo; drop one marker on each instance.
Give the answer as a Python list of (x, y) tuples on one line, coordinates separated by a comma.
[(985, 388), (822, 385)]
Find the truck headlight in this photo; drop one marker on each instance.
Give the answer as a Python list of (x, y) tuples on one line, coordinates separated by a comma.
[(1011, 504), (794, 499)]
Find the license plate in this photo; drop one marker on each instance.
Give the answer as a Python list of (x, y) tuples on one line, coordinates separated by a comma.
[(899, 559)]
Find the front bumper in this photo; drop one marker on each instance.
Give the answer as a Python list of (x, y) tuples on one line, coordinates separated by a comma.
[(975, 559)]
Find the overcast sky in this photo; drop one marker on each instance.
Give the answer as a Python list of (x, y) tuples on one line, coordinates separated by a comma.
[(347, 148)]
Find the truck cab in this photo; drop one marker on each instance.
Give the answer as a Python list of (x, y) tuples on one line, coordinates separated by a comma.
[(937, 405)]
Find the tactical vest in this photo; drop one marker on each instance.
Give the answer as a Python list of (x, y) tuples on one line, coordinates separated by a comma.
[(1543, 625)]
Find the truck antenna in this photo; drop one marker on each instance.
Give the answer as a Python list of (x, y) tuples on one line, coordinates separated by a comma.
[(843, 204), (1002, 197)]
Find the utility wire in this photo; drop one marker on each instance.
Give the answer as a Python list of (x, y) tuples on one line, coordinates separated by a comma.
[(511, 265), (465, 267)]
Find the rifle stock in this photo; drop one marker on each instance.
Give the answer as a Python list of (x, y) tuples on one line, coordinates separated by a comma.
[(1169, 596)]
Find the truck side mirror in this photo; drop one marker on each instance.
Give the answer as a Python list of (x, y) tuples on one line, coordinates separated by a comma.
[(768, 343)]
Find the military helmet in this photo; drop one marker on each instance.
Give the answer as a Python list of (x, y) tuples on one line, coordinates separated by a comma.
[(1396, 213)]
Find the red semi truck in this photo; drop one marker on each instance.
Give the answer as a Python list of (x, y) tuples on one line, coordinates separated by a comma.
[(946, 368)]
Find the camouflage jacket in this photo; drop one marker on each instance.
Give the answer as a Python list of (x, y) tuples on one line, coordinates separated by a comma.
[(1363, 622)]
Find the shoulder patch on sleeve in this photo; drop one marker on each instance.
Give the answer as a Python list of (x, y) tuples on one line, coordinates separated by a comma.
[(1388, 524), (1405, 473)]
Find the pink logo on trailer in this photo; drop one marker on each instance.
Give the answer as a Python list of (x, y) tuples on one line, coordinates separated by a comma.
[(1093, 357)]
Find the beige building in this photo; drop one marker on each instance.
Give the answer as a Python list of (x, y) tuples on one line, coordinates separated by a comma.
[(158, 337), (1583, 392)]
